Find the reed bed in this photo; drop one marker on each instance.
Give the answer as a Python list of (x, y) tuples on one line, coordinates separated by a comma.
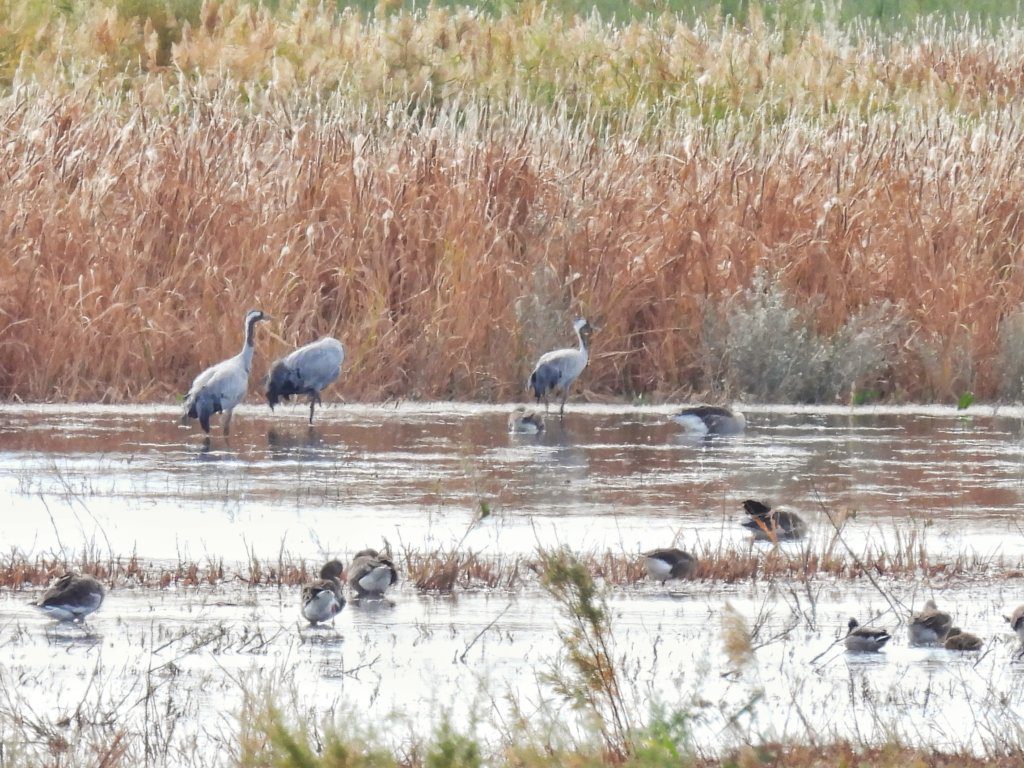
[(793, 214), (450, 570)]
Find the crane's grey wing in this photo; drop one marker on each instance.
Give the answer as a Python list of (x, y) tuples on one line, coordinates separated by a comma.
[(319, 364), (198, 383), (550, 372), (545, 377), (217, 389)]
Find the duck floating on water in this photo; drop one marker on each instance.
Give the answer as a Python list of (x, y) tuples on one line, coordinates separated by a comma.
[(710, 420), (323, 599), (371, 573), (669, 563), (958, 640), (72, 598), (769, 524), (524, 422), (1016, 621), (930, 626), (865, 639)]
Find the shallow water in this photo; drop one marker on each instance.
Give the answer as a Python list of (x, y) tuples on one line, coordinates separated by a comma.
[(133, 479), (123, 480)]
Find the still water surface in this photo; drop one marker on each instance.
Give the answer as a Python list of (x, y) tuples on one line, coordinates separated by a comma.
[(130, 479)]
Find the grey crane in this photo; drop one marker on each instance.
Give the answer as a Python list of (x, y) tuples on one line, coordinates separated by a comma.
[(556, 371), (306, 371), (71, 598), (221, 387)]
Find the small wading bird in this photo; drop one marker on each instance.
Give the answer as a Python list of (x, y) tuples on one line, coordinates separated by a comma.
[(868, 639), (958, 640), (930, 626), (1016, 621), (307, 371), (371, 573), (556, 371), (524, 422), (322, 599), (221, 387), (710, 420), (769, 524), (71, 598), (671, 563)]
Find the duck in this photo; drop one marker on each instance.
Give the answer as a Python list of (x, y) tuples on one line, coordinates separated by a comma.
[(557, 370), (307, 371), (1016, 621), (524, 422), (865, 639), (71, 598), (930, 626), (769, 524), (958, 640), (323, 599), (710, 420), (669, 563), (221, 387), (371, 573)]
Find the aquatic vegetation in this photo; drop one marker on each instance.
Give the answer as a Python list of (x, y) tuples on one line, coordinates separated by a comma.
[(392, 180)]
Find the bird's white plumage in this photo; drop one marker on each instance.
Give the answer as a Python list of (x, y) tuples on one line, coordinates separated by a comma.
[(658, 569), (324, 605), (377, 580), (692, 424)]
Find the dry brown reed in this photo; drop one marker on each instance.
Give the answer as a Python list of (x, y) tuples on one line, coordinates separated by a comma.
[(444, 198), (452, 569), (447, 570)]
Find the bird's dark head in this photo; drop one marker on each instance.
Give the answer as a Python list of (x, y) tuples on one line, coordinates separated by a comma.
[(332, 569), (584, 329), (852, 625), (255, 315), (252, 317)]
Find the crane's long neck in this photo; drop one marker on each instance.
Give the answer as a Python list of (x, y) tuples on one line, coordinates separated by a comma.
[(248, 344), (584, 347)]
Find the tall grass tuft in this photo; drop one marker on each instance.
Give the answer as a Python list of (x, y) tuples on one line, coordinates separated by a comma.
[(590, 680), (445, 189)]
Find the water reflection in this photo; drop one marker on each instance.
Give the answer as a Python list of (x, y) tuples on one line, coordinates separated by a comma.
[(601, 478)]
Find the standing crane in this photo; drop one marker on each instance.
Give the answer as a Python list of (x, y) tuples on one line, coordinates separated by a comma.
[(221, 387), (556, 371), (306, 371)]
